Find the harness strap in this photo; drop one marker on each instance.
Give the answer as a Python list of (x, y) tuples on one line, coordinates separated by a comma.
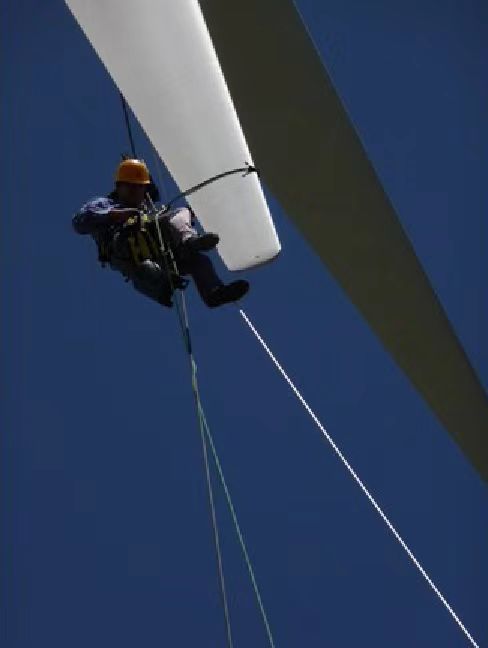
[(139, 247), (142, 245)]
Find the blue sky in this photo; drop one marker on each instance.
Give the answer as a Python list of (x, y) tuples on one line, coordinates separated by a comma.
[(105, 530)]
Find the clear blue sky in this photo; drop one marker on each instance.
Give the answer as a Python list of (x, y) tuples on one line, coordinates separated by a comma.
[(105, 536)]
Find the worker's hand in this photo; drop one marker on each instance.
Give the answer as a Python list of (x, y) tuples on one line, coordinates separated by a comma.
[(120, 216)]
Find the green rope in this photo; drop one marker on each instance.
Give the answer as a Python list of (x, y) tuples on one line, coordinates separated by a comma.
[(183, 317), (206, 435), (238, 529), (185, 330), (203, 424)]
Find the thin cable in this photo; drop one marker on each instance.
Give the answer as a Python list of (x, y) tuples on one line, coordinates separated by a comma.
[(238, 530), (358, 480), (220, 566), (183, 319), (188, 192), (127, 123), (185, 330), (157, 164)]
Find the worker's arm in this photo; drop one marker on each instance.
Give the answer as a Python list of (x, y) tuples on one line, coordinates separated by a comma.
[(100, 213), (119, 216)]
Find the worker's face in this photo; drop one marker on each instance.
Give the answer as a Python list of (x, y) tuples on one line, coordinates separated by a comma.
[(131, 194)]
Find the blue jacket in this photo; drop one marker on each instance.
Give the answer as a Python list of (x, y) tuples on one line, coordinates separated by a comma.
[(93, 216)]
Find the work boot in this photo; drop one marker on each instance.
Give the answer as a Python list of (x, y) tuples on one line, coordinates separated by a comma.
[(202, 243), (227, 293)]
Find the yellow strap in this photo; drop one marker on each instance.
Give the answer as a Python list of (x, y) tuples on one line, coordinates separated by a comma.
[(142, 244), (156, 251)]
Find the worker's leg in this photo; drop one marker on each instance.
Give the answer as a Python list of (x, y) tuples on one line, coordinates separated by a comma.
[(148, 278), (201, 269), (179, 230), (180, 226), (212, 290)]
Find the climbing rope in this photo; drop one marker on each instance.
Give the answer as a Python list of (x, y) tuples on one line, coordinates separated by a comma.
[(127, 124), (183, 317), (161, 182), (206, 435), (238, 531), (205, 430), (170, 267), (185, 330)]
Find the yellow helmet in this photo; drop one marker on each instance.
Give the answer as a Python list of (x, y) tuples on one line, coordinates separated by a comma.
[(133, 172)]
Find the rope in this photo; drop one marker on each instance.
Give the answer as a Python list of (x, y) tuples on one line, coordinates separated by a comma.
[(205, 432), (157, 164), (127, 123), (203, 426), (215, 527), (358, 480), (238, 531), (246, 170), (185, 330)]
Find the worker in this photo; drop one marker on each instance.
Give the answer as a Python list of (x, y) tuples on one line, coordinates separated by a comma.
[(128, 241)]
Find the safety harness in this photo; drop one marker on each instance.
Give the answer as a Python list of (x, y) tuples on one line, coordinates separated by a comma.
[(141, 243)]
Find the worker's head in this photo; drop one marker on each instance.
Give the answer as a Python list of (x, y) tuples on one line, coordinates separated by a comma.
[(132, 180)]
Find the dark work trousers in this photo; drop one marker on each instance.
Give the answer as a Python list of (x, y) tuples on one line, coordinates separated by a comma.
[(200, 267), (150, 278)]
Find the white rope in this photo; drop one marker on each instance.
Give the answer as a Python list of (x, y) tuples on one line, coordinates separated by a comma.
[(359, 482)]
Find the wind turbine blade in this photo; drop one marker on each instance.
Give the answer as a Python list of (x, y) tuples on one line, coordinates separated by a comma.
[(311, 158)]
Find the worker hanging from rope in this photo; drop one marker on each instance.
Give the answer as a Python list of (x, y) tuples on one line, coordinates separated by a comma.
[(128, 242)]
